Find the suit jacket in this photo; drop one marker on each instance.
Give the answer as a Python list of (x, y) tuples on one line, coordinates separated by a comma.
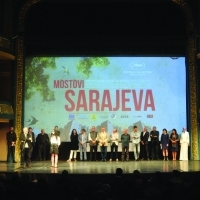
[(144, 137), (25, 140), (114, 138), (154, 140), (11, 137), (103, 137), (33, 138), (82, 138), (42, 139)]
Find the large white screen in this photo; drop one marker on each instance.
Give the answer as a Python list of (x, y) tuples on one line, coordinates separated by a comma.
[(80, 92)]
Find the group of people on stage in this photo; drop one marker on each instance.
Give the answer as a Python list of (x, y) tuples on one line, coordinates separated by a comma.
[(139, 140), (27, 143)]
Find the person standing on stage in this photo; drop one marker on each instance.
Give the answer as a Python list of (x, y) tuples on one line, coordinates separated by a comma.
[(42, 142), (184, 142), (57, 131), (144, 142), (54, 148), (135, 136), (31, 133), (125, 138), (174, 140), (114, 138), (82, 138), (74, 145), (93, 143), (25, 147), (164, 143), (103, 138), (11, 141), (154, 134)]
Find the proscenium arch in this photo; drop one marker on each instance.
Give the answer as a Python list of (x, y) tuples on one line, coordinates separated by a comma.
[(191, 70)]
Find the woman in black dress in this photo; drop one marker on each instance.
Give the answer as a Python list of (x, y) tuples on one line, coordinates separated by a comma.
[(164, 143), (74, 145), (174, 140)]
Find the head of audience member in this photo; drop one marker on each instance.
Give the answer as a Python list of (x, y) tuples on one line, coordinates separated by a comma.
[(164, 131), (11, 129), (42, 131), (137, 177), (136, 174), (65, 174), (56, 128), (135, 128), (2, 176), (119, 171), (154, 128)]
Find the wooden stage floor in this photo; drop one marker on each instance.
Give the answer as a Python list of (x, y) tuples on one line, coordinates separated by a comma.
[(86, 167)]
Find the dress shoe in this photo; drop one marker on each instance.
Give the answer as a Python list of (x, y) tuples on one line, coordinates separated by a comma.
[(14, 162)]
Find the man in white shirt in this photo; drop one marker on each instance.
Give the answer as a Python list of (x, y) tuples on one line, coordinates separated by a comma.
[(135, 136), (114, 137), (103, 143)]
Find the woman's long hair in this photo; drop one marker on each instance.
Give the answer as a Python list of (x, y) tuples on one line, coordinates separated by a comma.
[(175, 132), (54, 133), (73, 131)]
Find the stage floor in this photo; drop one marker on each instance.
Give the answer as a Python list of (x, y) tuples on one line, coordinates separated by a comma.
[(86, 167)]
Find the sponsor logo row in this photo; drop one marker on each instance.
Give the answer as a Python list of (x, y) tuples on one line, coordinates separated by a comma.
[(104, 116)]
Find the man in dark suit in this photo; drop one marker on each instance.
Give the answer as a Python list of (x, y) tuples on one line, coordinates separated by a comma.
[(11, 141), (154, 135), (42, 142), (144, 143), (25, 147), (31, 133)]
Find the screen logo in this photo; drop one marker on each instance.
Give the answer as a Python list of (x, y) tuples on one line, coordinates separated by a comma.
[(137, 65), (71, 116)]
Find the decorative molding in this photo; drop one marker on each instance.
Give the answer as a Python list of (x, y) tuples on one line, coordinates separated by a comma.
[(6, 109), (20, 71), (192, 77), (5, 43), (23, 12)]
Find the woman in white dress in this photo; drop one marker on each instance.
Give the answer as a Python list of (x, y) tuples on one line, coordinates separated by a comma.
[(184, 142)]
